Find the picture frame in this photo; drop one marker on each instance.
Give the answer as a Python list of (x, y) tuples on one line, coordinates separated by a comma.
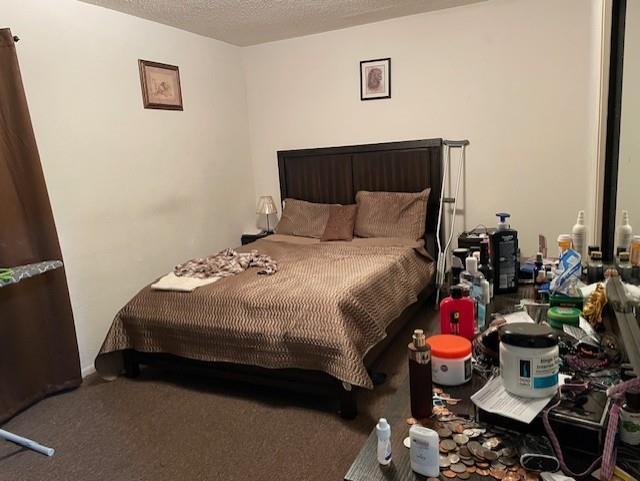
[(160, 84), (375, 79)]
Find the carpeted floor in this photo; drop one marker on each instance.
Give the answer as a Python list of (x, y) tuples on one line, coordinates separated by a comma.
[(160, 427)]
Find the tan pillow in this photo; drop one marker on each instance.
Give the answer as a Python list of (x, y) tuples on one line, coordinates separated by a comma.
[(342, 219), (302, 218), (391, 214)]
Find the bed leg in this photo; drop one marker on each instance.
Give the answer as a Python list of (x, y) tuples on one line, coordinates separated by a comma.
[(348, 404), (131, 366)]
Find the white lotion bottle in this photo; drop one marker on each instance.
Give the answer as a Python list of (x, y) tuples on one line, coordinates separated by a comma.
[(424, 451), (624, 232), (383, 430), (579, 237)]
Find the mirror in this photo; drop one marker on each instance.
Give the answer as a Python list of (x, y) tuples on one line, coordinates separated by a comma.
[(628, 192), (622, 159)]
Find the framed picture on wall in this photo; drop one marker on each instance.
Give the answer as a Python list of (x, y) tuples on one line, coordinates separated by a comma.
[(375, 79), (160, 85)]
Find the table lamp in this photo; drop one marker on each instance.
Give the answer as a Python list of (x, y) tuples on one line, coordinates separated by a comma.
[(266, 206)]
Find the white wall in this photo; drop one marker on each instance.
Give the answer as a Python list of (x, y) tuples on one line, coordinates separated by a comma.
[(133, 191), (519, 78), (629, 160)]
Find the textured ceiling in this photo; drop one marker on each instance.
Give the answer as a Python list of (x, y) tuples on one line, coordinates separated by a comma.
[(248, 22)]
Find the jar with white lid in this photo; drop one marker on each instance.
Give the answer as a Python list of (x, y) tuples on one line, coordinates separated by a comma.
[(529, 359), (450, 359)]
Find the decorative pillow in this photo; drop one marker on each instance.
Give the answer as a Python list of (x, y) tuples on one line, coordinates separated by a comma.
[(342, 219), (391, 214), (302, 218)]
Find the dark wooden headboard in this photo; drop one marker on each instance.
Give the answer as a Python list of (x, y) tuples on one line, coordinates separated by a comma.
[(336, 174)]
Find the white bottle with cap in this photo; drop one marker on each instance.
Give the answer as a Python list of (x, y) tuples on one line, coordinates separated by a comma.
[(479, 290), (424, 451), (579, 237), (383, 430), (624, 232)]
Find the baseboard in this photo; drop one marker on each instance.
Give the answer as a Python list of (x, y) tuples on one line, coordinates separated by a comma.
[(88, 371)]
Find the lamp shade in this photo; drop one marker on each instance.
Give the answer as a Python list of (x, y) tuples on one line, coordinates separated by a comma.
[(266, 205)]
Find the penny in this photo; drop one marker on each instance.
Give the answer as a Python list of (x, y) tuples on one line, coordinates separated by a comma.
[(483, 465), (454, 458), (412, 421), (449, 474), (464, 475), (444, 433), (407, 442), (498, 465), (458, 468), (448, 444), (468, 461), (482, 472), (531, 476), (490, 455), (522, 472), (433, 479), (471, 469), (498, 473), (511, 477), (459, 428), (460, 439), (464, 452), (444, 461)]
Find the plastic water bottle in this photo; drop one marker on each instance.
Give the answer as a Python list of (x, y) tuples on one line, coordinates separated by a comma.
[(383, 430)]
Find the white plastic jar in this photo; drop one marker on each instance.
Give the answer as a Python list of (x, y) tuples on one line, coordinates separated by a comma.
[(529, 359), (450, 359)]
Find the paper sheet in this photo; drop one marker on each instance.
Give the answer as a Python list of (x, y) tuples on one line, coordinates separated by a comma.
[(494, 398), (518, 316)]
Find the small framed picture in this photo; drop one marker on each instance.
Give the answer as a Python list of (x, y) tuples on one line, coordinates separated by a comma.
[(160, 85), (375, 79)]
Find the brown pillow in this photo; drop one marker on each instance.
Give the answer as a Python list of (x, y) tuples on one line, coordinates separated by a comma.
[(301, 218), (391, 214), (342, 219)]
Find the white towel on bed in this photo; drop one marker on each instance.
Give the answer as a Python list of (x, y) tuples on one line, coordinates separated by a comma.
[(171, 282)]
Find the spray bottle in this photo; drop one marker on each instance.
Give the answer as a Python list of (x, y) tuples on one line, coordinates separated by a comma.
[(579, 237), (624, 232)]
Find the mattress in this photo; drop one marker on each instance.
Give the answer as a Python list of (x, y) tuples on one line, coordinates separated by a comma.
[(328, 304)]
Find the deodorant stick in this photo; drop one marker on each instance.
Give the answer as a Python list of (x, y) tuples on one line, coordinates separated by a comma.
[(424, 451)]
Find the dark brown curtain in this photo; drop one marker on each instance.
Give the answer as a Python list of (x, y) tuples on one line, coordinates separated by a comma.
[(38, 347)]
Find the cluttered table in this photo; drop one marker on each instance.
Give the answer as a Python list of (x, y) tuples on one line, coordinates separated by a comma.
[(471, 445)]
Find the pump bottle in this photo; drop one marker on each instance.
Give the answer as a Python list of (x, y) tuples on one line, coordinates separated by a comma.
[(479, 290)]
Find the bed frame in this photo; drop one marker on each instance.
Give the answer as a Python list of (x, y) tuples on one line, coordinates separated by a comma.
[(335, 175)]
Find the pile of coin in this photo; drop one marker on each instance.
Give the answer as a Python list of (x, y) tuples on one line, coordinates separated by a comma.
[(467, 448)]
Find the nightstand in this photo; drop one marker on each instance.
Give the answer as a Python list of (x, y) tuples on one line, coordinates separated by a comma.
[(249, 238)]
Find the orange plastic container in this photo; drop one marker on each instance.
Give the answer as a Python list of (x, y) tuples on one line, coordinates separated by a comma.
[(450, 359)]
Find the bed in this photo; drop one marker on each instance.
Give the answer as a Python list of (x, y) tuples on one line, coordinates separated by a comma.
[(330, 310)]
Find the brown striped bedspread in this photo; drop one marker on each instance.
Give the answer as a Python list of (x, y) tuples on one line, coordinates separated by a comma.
[(328, 304)]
